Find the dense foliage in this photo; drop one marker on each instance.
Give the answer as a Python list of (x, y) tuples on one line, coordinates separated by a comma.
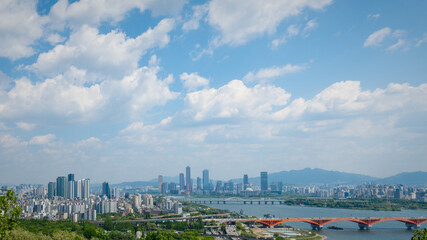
[(420, 234), (9, 213)]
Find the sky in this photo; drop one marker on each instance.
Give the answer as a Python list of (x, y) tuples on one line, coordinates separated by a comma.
[(127, 90)]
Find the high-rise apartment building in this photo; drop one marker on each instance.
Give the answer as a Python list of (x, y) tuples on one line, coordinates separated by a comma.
[(85, 188), (148, 200), (245, 181), (78, 189), (189, 188), (51, 190), (264, 181), (70, 189), (206, 184), (106, 189), (181, 182)]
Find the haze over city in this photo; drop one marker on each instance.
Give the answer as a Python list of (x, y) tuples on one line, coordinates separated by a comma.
[(116, 91)]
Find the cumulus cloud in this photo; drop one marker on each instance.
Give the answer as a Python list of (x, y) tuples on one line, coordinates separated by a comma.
[(309, 26), (9, 141), (55, 38), (347, 98), (376, 38), (43, 140), (91, 142), (421, 41), (291, 31), (272, 72), (94, 12), (20, 27), (235, 100), (199, 12), (106, 54), (25, 126), (193, 81), (240, 21)]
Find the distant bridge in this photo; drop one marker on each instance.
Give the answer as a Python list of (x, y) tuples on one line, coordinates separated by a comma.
[(318, 223), (237, 201)]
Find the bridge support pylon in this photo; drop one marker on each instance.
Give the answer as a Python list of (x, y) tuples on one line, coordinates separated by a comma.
[(412, 226), (364, 226), (316, 227)]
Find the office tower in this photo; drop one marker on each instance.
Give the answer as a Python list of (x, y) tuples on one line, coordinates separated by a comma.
[(218, 187), (106, 189), (78, 189), (61, 186), (160, 182), (181, 182), (164, 188), (199, 184), (71, 177), (188, 179), (206, 185), (115, 192), (245, 181), (51, 190), (70, 189), (264, 181), (85, 188)]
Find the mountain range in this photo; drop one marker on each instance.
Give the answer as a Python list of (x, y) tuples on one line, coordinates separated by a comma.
[(309, 176)]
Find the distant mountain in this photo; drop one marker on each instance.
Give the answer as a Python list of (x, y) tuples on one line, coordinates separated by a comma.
[(317, 176), (406, 178), (309, 176)]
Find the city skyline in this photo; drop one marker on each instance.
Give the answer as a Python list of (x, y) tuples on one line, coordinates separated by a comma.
[(126, 92)]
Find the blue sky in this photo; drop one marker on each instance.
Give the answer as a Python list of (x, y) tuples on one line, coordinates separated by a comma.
[(120, 91)]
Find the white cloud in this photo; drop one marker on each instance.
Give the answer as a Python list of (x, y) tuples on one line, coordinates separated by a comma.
[(291, 31), (105, 54), (309, 26), (91, 142), (376, 38), (193, 81), (26, 126), (240, 21), (235, 100), (199, 12), (43, 140), (20, 27), (55, 38), (374, 15), (94, 12), (8, 141), (421, 41), (397, 45), (346, 98), (272, 72)]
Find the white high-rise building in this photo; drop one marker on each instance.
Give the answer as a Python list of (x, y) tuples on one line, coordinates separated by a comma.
[(137, 200), (148, 200), (78, 189), (70, 190), (85, 188)]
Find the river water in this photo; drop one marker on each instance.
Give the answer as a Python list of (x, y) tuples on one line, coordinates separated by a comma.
[(390, 230)]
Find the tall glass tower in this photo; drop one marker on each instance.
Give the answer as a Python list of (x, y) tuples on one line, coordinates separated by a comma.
[(188, 179), (245, 181), (264, 181), (206, 186)]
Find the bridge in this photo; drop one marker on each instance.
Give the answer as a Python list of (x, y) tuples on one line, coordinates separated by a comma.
[(237, 201), (318, 223)]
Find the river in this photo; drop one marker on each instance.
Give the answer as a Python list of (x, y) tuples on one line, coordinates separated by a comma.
[(390, 230)]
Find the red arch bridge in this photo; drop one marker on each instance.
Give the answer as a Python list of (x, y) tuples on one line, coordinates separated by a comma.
[(318, 223)]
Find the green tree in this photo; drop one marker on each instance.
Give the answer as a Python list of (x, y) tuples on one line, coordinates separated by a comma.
[(108, 224), (9, 213), (420, 234)]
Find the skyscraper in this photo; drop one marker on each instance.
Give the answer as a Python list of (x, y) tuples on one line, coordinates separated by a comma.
[(106, 189), (245, 181), (206, 185), (181, 182), (199, 184), (61, 186), (51, 190), (264, 181), (78, 189), (85, 188), (70, 190), (160, 182), (71, 177), (188, 179)]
